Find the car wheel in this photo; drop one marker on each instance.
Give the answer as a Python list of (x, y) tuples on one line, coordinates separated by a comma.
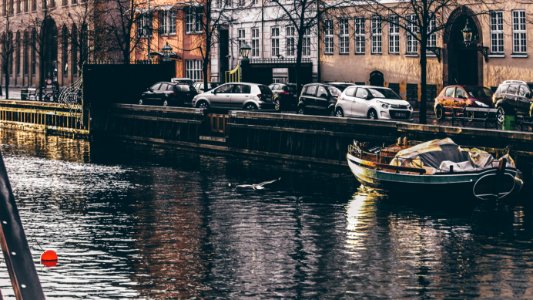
[(202, 104), (372, 114), (439, 113), (339, 112), (140, 101), (500, 115), (250, 106), (300, 111)]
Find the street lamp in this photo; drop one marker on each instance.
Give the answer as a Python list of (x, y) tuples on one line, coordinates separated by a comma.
[(245, 50), (167, 52), (468, 33), (470, 39)]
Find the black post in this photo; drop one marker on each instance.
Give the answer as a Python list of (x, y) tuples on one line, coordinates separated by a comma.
[(17, 254), (245, 70)]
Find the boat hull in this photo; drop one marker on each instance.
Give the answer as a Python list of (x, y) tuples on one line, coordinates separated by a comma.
[(485, 185)]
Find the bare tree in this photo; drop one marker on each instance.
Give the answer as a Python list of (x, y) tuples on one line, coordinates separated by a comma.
[(121, 18), (304, 16), (81, 34), (420, 19), (6, 42)]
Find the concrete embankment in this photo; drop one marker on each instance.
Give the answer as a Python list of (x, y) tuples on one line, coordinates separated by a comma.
[(290, 138), (287, 138)]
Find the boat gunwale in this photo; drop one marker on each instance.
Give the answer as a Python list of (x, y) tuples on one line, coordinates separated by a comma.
[(374, 166)]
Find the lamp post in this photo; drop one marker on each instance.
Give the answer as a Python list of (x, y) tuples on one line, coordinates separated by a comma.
[(245, 62)]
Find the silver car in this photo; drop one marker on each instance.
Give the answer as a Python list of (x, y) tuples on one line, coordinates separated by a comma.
[(373, 102), (236, 95)]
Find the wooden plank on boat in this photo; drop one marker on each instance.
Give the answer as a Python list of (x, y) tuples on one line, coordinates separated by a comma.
[(400, 169)]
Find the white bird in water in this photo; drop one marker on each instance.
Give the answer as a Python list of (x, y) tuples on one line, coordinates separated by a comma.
[(256, 186)]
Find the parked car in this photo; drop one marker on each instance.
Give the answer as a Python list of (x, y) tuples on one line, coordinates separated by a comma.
[(457, 97), (285, 96), (199, 86), (168, 93), (373, 102), (318, 98), (236, 95), (512, 97)]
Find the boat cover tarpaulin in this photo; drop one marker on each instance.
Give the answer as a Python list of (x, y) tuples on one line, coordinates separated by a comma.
[(442, 155)]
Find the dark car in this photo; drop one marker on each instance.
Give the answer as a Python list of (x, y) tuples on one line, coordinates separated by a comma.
[(168, 93), (512, 97), (458, 97), (319, 98), (285, 96)]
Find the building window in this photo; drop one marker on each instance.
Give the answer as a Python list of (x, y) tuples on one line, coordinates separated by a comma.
[(328, 37), (306, 43), (167, 22), (274, 37), (360, 35), (394, 35), (290, 45), (412, 43), (496, 32), (376, 34), (33, 50), (193, 19), (64, 50), (33, 7), (25, 55), (519, 32), (255, 42), (17, 53), (241, 37), (432, 37), (144, 25), (193, 69), (344, 37)]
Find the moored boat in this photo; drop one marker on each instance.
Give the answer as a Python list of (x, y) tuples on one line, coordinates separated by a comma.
[(435, 168)]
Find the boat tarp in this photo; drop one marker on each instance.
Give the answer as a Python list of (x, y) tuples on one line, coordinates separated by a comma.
[(441, 155)]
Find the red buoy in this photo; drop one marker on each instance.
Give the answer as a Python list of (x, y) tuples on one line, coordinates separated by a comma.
[(49, 256)]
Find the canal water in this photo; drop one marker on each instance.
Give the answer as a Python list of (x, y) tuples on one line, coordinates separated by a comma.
[(142, 223)]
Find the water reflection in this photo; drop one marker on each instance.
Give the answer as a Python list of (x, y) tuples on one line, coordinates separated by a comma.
[(144, 224)]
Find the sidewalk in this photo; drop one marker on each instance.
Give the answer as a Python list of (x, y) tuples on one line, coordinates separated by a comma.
[(14, 93)]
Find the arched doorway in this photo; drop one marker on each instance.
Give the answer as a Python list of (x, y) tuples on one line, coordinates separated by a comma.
[(462, 64), (376, 78), (49, 49)]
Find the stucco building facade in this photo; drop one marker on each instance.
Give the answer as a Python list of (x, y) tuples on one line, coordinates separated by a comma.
[(265, 28), (176, 23), (358, 47), (50, 40)]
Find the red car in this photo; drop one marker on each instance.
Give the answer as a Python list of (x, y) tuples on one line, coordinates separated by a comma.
[(457, 97)]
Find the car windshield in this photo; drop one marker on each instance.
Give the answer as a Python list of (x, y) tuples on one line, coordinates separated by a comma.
[(478, 92), (383, 93), (334, 91)]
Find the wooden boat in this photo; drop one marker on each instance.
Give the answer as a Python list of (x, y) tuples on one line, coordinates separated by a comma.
[(438, 168)]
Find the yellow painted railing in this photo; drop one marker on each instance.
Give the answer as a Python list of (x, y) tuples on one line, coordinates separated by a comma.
[(233, 75)]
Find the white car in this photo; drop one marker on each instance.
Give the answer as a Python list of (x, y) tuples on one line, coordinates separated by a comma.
[(236, 95), (373, 102)]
